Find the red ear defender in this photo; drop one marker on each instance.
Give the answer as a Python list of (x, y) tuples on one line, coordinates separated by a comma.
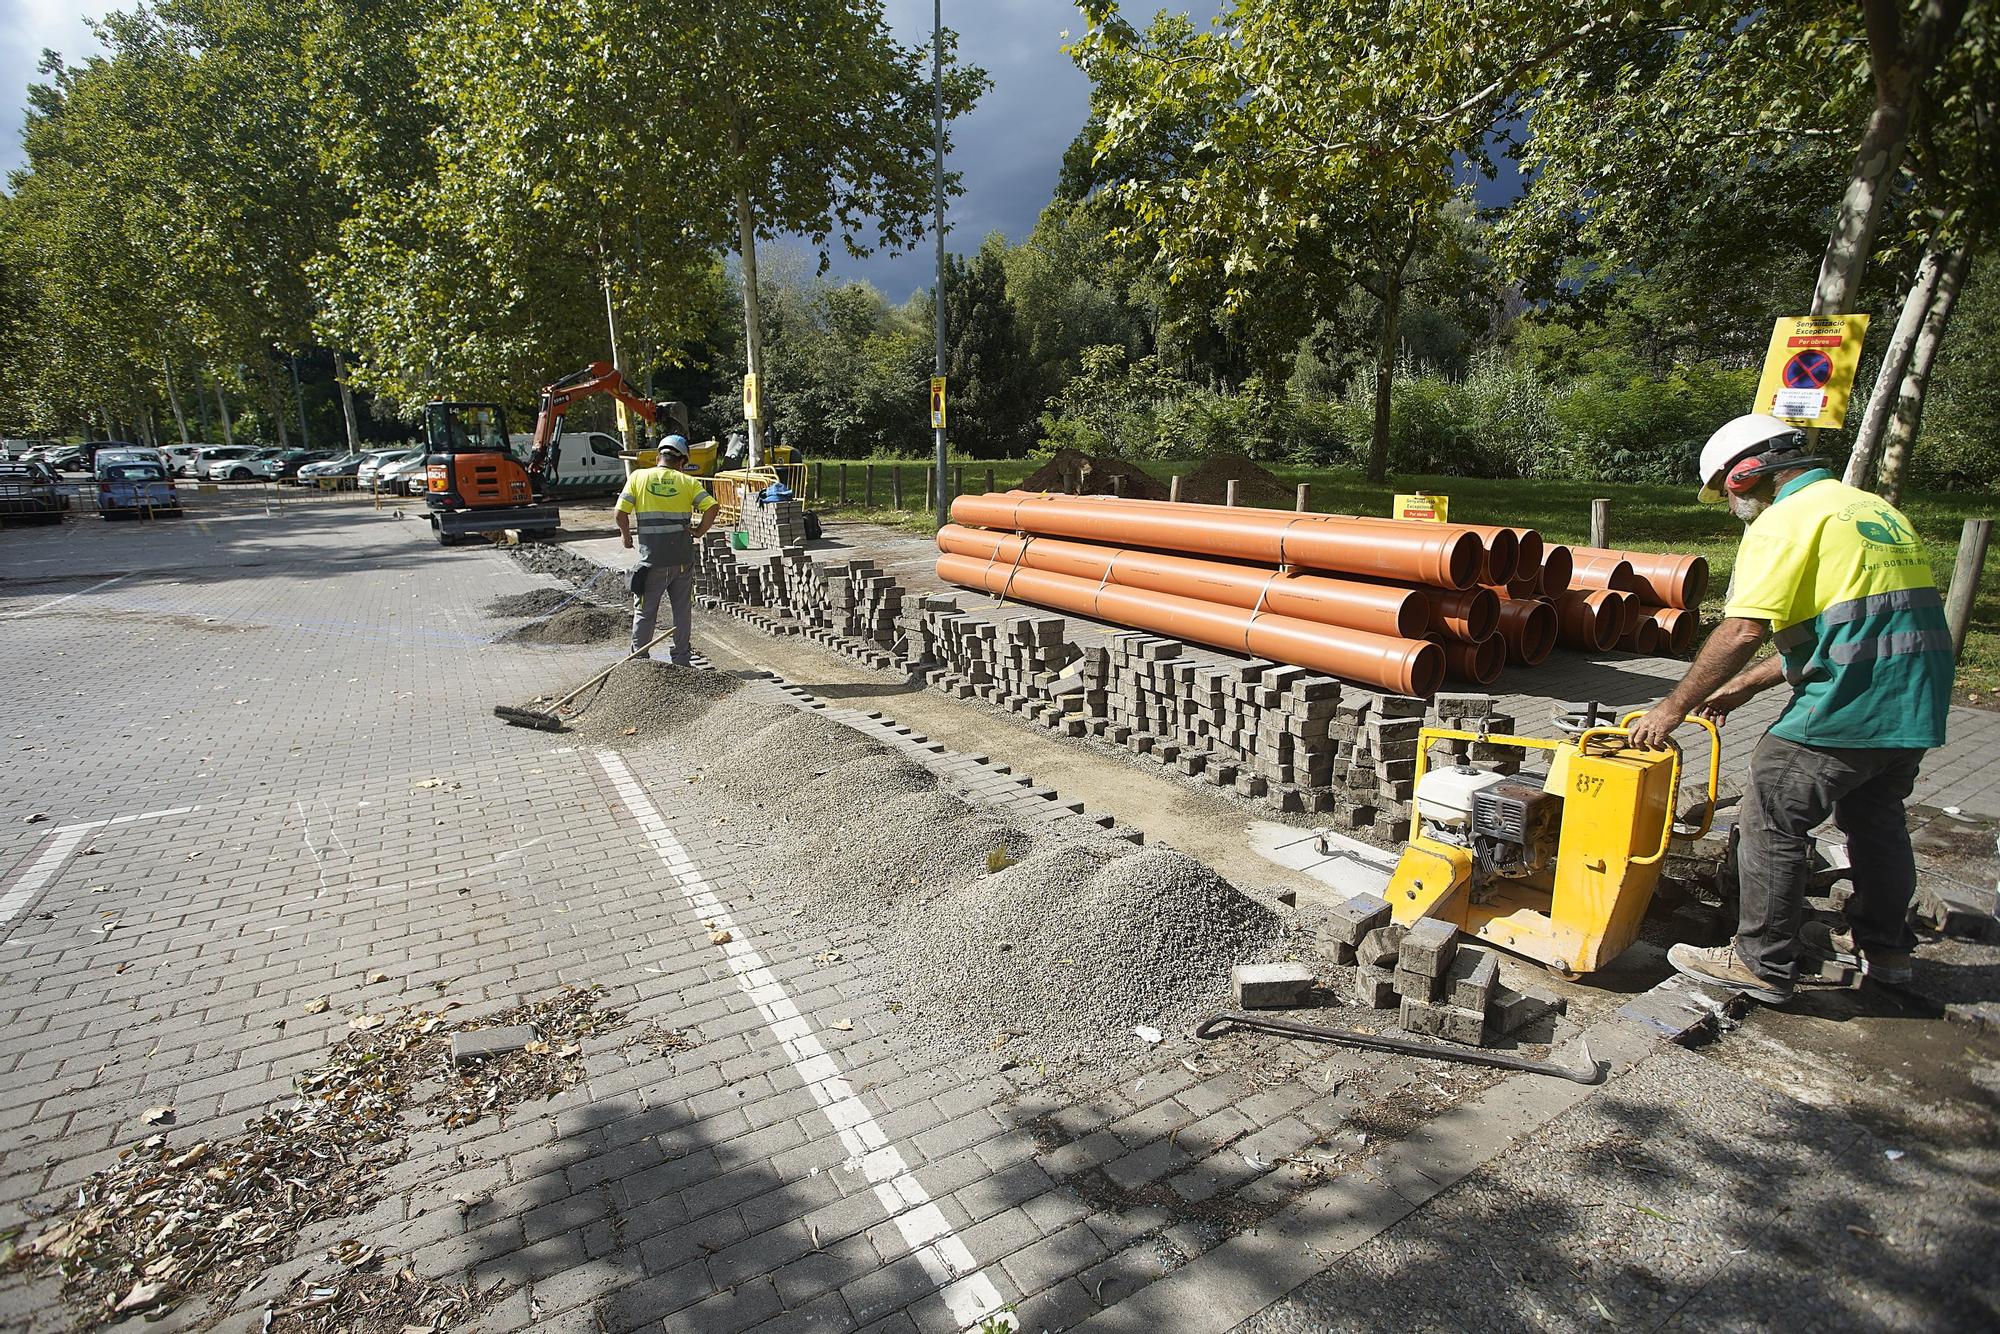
[(1744, 476)]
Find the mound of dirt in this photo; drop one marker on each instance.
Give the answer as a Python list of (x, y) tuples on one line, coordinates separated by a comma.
[(534, 602), (656, 698), (577, 623), (1072, 471), (1209, 484)]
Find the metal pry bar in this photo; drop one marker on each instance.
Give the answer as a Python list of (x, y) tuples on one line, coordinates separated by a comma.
[(1591, 1072)]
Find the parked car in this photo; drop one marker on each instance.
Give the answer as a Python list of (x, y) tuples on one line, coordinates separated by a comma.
[(369, 473), (182, 459), (227, 463), (131, 488), (67, 458), (340, 468), (284, 466), (30, 491), (111, 454), (404, 476)]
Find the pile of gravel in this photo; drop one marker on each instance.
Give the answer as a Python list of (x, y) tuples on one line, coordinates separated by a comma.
[(656, 698), (534, 602), (1208, 484), (578, 623), (1057, 958)]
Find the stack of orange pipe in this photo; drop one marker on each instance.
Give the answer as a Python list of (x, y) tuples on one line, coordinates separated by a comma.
[(1390, 603), (1668, 591)]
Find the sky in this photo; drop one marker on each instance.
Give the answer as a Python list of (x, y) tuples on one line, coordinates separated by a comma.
[(1009, 147)]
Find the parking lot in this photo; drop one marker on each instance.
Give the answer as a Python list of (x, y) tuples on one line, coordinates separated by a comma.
[(253, 766)]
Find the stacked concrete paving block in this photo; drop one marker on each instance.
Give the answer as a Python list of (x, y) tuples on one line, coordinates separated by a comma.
[(1477, 714), (779, 524), (1379, 734), (1444, 988)]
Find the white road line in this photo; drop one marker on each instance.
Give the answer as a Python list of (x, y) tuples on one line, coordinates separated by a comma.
[(16, 615), (62, 843), (968, 1294)]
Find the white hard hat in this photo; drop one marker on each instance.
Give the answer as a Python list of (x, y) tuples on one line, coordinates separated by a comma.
[(1736, 438)]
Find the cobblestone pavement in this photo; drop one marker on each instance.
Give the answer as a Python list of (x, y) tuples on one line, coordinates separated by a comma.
[(263, 748)]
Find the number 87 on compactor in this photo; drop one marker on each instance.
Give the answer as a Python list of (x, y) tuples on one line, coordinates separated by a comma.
[(1558, 867)]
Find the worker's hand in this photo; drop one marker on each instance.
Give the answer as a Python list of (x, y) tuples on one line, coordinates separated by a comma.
[(1726, 700), (1651, 732), (626, 538)]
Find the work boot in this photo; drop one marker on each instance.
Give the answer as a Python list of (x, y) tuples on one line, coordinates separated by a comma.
[(1889, 967), (1724, 967)]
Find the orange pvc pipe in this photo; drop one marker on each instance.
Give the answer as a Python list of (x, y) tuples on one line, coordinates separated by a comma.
[(1676, 629), (1479, 663), (1679, 582), (1528, 628), (1406, 666), (1583, 624), (1401, 613), (1644, 638), (1620, 608), (1558, 568), (1470, 615), (1503, 566), (1603, 570), (1273, 537)]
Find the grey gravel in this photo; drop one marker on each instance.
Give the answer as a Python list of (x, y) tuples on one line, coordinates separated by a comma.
[(581, 623), (534, 602), (650, 697)]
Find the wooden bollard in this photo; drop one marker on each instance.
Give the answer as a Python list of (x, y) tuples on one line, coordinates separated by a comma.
[(989, 482), (1305, 497), (957, 480), (868, 488), (1229, 493), (1174, 487), (896, 485), (1600, 523), (843, 483)]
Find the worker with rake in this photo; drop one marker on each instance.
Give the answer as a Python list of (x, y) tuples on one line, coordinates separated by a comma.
[(670, 510), (1836, 578)]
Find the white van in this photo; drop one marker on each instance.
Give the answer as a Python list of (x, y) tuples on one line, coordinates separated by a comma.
[(587, 462)]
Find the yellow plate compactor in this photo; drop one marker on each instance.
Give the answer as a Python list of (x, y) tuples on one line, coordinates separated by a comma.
[(1561, 870)]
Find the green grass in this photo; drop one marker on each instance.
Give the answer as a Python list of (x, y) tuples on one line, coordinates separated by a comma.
[(1643, 518)]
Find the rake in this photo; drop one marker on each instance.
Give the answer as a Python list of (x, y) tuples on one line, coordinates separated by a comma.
[(545, 720)]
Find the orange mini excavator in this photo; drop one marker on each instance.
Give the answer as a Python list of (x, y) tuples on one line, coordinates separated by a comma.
[(474, 482)]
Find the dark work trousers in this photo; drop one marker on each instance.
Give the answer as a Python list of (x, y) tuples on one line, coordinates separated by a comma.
[(1793, 789), (676, 584)]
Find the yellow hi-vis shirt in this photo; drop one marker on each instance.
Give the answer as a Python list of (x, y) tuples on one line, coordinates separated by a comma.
[(663, 503), (1842, 579)]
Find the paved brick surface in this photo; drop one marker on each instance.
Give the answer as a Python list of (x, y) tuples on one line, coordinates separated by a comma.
[(310, 692)]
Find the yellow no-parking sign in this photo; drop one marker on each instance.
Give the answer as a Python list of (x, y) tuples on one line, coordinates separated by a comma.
[(1809, 368)]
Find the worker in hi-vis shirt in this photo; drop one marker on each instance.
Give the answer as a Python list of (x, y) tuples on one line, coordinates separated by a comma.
[(671, 511), (1836, 578)]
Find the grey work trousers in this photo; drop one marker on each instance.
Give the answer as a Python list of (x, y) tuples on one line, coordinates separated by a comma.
[(1793, 789), (676, 583)]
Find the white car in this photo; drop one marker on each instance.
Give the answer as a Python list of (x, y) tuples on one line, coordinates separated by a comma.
[(406, 476), (370, 472), (182, 459), (226, 463)]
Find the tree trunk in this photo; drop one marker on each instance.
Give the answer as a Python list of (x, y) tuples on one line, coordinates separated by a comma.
[(1385, 375), (1900, 69), (201, 404), (222, 405), (347, 404), (753, 326), (1902, 432), (1895, 360), (174, 397)]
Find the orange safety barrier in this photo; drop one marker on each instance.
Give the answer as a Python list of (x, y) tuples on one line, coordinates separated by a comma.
[(1378, 608), (1407, 666), (1412, 553)]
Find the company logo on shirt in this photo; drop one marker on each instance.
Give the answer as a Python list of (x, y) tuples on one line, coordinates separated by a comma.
[(1886, 529)]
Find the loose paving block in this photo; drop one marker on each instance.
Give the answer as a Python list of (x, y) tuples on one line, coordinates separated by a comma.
[(1374, 988), (1421, 1017), (481, 1043), (1470, 980), (1417, 986), (1380, 947), (1513, 1011), (1427, 947), (1270, 986), (1458, 1024), (1348, 921)]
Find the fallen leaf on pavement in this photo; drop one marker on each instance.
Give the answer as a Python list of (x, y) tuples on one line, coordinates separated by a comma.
[(631, 731), (159, 1116), (142, 1295), (318, 1006), (362, 1023), (719, 937), (844, 1025), (378, 977)]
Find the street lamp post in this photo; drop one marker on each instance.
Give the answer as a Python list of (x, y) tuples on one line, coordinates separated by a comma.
[(937, 184)]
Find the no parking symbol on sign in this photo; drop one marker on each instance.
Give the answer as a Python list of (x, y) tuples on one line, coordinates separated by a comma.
[(1809, 368)]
